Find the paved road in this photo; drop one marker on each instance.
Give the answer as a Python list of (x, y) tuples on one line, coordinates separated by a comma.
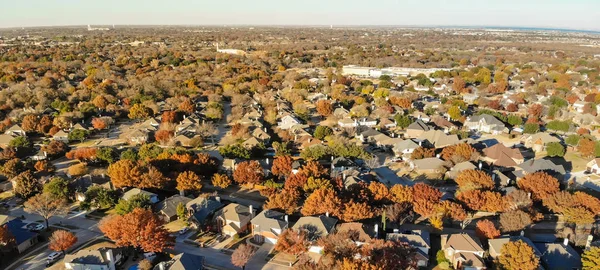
[(86, 230)]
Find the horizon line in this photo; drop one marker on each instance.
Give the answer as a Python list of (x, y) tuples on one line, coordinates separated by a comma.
[(521, 28)]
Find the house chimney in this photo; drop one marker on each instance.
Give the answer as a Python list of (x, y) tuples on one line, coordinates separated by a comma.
[(286, 218), (327, 214), (420, 143), (251, 208), (437, 156), (376, 230), (566, 242), (45, 154), (588, 243), (110, 259), (396, 230), (522, 233), (480, 165), (218, 199), (267, 161)]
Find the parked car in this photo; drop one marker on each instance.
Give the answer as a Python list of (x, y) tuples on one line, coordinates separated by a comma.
[(184, 230), (35, 227), (52, 258)]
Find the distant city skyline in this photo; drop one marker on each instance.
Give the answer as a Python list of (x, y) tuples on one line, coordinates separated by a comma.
[(563, 14)]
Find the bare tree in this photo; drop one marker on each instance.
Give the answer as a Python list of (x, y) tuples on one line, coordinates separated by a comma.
[(46, 206), (242, 255)]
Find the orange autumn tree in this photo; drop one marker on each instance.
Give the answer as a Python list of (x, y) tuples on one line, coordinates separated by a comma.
[(124, 173), (458, 153), (248, 172), (486, 229), (322, 201), (354, 211), (586, 147), (479, 200), (282, 166), (286, 200), (474, 179), (187, 181), (425, 199), (314, 169), (379, 191), (62, 240), (292, 242), (139, 229), (163, 136), (540, 184), (400, 193), (518, 255), (7, 239), (324, 108)]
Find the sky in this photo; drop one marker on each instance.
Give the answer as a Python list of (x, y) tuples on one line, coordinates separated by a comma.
[(568, 14)]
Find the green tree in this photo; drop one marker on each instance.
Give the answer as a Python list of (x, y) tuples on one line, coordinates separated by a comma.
[(136, 201), (235, 151), (20, 141), (106, 154), (515, 120), (78, 135), (555, 149), (139, 111), (59, 188), (322, 131), (402, 121), (531, 128), (98, 197), (181, 211), (573, 139), (314, 152), (129, 154)]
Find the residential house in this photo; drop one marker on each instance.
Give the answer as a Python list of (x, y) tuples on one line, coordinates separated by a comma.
[(500, 155), (428, 165), (421, 116), (167, 208), (363, 235), (539, 141), (367, 122), (405, 148), (417, 239), (24, 238), (40, 155), (104, 258), (261, 135), (268, 225), (201, 209), (185, 141), (463, 251), (578, 106), (540, 165), (79, 126), (347, 122), (443, 124), (137, 136), (485, 123), (416, 129), (61, 136), (288, 122), (341, 113), (593, 166), (15, 131), (439, 139), (559, 256), (183, 261), (233, 218), (495, 245), (315, 228), (136, 191), (341, 164), (470, 98), (456, 169), (387, 123)]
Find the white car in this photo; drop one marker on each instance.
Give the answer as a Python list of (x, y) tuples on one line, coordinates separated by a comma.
[(53, 256), (184, 230)]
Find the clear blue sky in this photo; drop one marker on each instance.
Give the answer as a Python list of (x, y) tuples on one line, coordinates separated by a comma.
[(574, 14)]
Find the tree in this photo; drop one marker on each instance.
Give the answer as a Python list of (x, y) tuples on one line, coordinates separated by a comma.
[(322, 201), (77, 170), (139, 229), (513, 221), (402, 121), (7, 239), (12, 168), (354, 211), (474, 179), (518, 255), (425, 199), (29, 123), (555, 149), (221, 180), (136, 201), (124, 173), (187, 106), (98, 197), (46, 206), (422, 152), (62, 240), (459, 84), (454, 112), (486, 229), (286, 201), (323, 131), (59, 188), (78, 135), (535, 110), (458, 153), (234, 151), (586, 147), (401, 193), (55, 148), (43, 166), (139, 111), (590, 259), (163, 136), (242, 255), (20, 141), (573, 139), (83, 153), (292, 242), (531, 128), (282, 166), (144, 264), (181, 212), (27, 185), (324, 108), (248, 172), (540, 184), (188, 180), (379, 191), (314, 169)]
